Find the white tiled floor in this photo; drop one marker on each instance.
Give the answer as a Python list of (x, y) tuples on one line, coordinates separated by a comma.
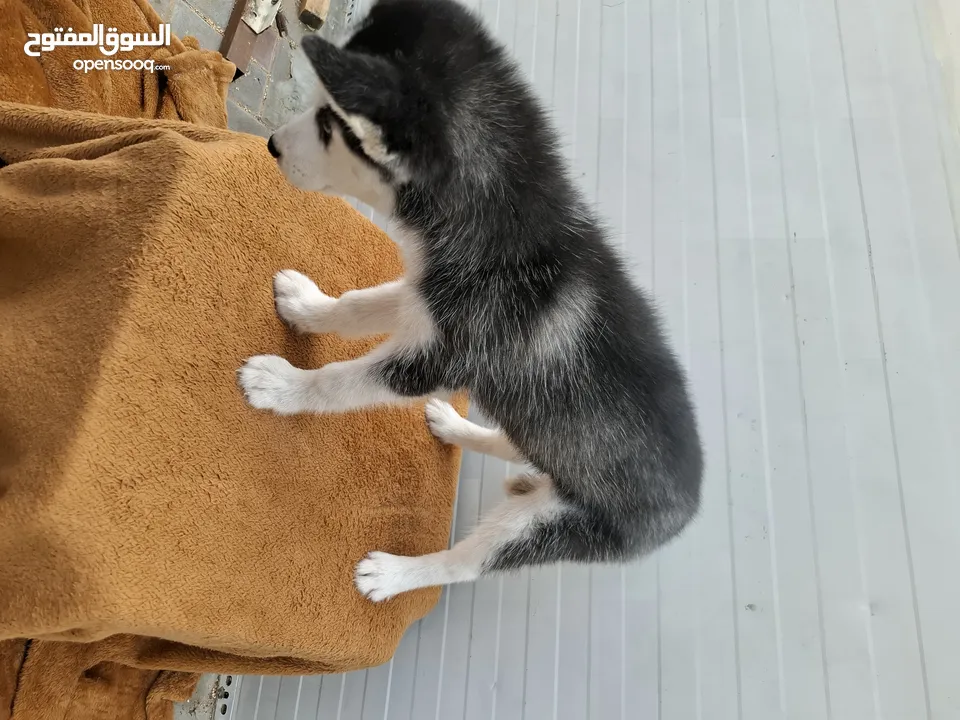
[(782, 173)]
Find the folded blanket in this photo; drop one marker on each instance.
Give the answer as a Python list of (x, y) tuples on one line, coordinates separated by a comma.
[(193, 87), (150, 522)]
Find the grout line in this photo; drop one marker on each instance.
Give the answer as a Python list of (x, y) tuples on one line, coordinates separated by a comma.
[(925, 312), (874, 675), (801, 383), (723, 371), (761, 370), (200, 15)]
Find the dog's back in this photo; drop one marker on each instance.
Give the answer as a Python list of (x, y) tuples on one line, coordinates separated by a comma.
[(548, 333)]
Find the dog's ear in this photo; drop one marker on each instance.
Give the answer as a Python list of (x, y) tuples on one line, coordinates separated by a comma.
[(358, 83)]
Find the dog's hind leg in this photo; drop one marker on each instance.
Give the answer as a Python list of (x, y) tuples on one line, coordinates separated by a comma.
[(511, 536), (447, 425), (356, 313)]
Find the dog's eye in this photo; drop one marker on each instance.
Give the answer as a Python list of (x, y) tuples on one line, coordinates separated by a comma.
[(324, 125)]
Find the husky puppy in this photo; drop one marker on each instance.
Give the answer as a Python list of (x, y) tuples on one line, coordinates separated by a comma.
[(511, 293)]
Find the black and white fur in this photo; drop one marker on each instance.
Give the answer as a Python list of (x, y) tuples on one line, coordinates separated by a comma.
[(511, 293)]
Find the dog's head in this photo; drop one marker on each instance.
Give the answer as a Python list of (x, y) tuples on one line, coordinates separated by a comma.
[(368, 132), (404, 100)]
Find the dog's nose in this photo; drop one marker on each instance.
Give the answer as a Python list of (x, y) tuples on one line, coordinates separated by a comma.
[(272, 148)]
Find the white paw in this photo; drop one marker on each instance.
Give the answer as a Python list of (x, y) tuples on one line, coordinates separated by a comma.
[(381, 576), (271, 383), (300, 303), (444, 421)]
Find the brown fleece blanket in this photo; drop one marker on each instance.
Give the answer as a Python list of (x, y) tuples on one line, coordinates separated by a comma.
[(147, 515), (192, 88)]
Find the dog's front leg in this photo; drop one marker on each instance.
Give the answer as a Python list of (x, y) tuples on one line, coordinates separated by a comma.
[(356, 313), (389, 375)]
